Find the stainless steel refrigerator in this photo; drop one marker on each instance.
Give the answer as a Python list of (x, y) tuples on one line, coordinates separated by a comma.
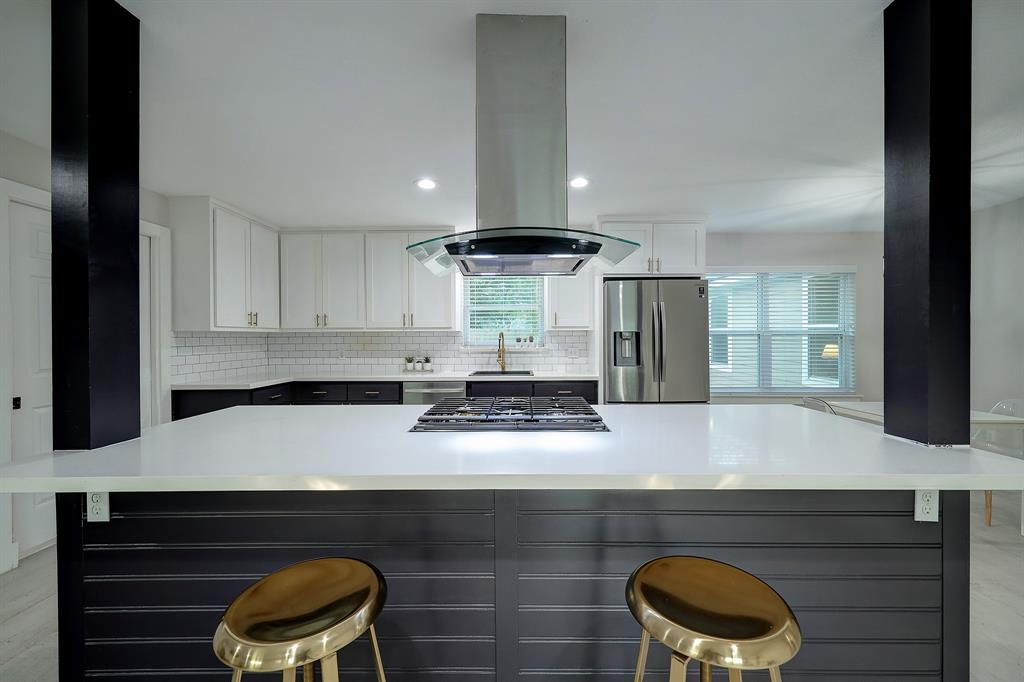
[(656, 341)]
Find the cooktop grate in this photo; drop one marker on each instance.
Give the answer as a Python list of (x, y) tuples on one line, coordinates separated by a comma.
[(511, 414)]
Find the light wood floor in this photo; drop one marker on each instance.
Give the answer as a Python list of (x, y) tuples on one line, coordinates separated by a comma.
[(28, 604)]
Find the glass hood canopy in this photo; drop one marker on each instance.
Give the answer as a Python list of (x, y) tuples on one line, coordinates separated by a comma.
[(519, 251)]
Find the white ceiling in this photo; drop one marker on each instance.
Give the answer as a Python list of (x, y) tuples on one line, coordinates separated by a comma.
[(764, 114)]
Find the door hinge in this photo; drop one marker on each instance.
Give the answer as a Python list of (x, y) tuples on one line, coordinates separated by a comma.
[(16, 403)]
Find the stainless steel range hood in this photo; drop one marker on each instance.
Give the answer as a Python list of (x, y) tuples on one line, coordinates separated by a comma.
[(521, 189)]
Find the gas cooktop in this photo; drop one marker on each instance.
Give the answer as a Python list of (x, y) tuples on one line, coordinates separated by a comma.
[(510, 414)]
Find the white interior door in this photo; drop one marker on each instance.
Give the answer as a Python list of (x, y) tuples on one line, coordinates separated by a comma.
[(265, 277), (32, 423), (386, 279), (146, 373), (300, 281), (640, 261), (344, 280), (430, 296), (231, 269)]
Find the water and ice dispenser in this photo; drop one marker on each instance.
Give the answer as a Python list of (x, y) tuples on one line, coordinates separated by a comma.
[(627, 348)]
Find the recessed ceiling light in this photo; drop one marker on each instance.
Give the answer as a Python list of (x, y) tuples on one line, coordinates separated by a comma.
[(579, 182), (426, 183)]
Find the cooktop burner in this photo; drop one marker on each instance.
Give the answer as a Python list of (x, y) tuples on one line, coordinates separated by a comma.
[(511, 414)]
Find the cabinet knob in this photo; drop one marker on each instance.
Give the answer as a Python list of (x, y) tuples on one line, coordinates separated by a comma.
[(658, 263), (256, 319), (317, 316), (649, 268), (250, 319), (325, 319)]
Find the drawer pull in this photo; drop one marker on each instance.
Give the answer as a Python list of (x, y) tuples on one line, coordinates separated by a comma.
[(319, 392), (371, 393), (274, 397), (565, 392)]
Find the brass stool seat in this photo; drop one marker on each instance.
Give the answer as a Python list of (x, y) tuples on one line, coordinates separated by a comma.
[(713, 613), (299, 615)]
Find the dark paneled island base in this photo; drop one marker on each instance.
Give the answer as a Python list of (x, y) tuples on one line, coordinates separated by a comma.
[(515, 585)]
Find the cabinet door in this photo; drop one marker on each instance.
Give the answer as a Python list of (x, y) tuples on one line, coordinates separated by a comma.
[(640, 261), (264, 277), (571, 301), (300, 280), (387, 281), (344, 281), (430, 296), (679, 248), (231, 269)]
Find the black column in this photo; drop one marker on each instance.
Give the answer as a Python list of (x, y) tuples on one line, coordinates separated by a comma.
[(928, 220), (95, 166)]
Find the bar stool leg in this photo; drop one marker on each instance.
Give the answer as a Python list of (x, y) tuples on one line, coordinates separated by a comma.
[(705, 672), (308, 674), (775, 674), (236, 676), (988, 507), (677, 668), (641, 657), (735, 675), (329, 668), (288, 675), (377, 661)]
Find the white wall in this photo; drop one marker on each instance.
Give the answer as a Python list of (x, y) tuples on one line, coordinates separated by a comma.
[(860, 249), (997, 304), (29, 164)]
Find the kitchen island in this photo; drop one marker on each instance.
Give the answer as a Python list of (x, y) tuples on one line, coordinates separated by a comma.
[(507, 553)]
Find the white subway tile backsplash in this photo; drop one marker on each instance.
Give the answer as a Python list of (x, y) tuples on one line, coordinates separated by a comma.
[(215, 355)]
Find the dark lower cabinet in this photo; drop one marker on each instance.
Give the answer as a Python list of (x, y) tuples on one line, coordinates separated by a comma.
[(280, 394), (541, 389), (499, 389), (319, 392), (559, 389), (189, 403)]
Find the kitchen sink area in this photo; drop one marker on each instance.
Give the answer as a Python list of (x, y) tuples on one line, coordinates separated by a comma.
[(502, 373)]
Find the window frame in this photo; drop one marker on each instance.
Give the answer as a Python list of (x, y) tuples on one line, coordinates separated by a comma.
[(540, 335), (846, 328)]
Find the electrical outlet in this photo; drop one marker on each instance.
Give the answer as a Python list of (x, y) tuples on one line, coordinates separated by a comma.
[(98, 507), (926, 505)]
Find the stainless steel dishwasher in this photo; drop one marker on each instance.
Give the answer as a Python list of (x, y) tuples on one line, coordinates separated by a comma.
[(429, 392)]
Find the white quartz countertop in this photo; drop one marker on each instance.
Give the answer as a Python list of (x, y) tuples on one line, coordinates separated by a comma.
[(325, 447), (243, 382)]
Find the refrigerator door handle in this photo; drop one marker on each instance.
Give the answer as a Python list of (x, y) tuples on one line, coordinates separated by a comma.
[(661, 333), (656, 341)]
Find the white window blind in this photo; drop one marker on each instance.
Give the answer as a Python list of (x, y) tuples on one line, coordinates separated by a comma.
[(782, 331), (514, 305)]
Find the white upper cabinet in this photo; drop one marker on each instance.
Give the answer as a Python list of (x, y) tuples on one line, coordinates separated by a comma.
[(225, 270), (430, 296), (264, 277), (387, 279), (344, 281), (570, 301), (300, 280), (667, 247), (679, 248), (640, 260), (231, 271), (360, 280)]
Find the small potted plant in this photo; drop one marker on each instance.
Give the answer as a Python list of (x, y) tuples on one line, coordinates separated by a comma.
[(427, 365), (409, 363), (419, 365)]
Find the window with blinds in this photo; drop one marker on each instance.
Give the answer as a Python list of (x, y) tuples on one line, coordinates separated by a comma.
[(782, 331), (514, 305)]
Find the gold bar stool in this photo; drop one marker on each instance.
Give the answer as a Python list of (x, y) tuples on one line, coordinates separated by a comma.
[(301, 615), (712, 613)]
